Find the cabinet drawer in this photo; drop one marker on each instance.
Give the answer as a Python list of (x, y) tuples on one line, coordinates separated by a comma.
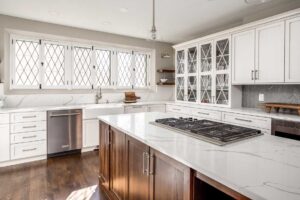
[(4, 118), (248, 121), (28, 137), (157, 108), (178, 109), (27, 150), (27, 117), (136, 109), (207, 114), (28, 127)]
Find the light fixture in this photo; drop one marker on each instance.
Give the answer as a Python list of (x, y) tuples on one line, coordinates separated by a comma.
[(256, 1), (153, 29)]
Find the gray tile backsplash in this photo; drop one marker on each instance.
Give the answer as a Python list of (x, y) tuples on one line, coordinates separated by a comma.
[(272, 93)]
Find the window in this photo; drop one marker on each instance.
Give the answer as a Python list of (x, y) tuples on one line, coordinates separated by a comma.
[(27, 63), (54, 65), (132, 69), (103, 67), (82, 64), (49, 64)]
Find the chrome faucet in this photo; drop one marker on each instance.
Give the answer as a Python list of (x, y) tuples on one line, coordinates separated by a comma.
[(98, 95)]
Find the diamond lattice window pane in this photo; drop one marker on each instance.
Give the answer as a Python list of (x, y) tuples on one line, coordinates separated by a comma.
[(82, 66), (27, 63), (222, 54), (103, 67), (180, 88), (192, 60), (206, 89), (180, 62), (206, 58), (54, 65), (192, 88), (140, 70), (222, 88), (124, 69)]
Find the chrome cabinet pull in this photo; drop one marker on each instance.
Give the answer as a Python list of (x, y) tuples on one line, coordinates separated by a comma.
[(29, 126), (256, 75), (29, 117), (65, 146), (244, 120), (28, 137), (151, 163), (144, 165), (177, 109), (25, 150), (202, 113), (252, 74)]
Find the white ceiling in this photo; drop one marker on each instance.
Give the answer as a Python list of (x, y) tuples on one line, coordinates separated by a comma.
[(177, 20)]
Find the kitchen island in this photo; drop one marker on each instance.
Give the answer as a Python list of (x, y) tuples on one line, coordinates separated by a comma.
[(263, 167)]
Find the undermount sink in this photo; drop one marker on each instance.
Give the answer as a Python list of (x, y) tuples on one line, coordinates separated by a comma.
[(95, 110)]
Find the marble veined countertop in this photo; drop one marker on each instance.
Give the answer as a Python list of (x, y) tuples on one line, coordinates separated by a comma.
[(81, 106), (264, 167)]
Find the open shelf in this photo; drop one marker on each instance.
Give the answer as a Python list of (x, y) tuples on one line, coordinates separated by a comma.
[(159, 83)]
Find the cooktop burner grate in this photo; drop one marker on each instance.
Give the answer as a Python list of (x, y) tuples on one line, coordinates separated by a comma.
[(211, 131)]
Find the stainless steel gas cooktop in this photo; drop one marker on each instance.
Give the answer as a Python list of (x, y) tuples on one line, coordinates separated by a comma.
[(210, 131)]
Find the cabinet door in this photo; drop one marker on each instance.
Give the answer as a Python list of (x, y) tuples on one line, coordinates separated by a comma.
[(270, 53), (192, 57), (180, 74), (243, 57), (137, 169), (90, 133), (292, 58), (4, 143), (104, 154), (118, 161), (206, 61), (169, 179)]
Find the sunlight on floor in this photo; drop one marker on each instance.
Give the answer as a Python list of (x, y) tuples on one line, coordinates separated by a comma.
[(83, 194)]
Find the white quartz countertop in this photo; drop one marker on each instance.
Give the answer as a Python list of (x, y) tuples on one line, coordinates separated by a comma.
[(83, 106), (264, 167)]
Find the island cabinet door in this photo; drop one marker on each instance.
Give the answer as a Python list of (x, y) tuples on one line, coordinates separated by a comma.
[(104, 138), (169, 179), (137, 169), (118, 163)]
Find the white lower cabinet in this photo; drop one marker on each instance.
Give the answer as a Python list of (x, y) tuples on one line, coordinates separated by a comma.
[(207, 114), (90, 133), (247, 120), (157, 108), (136, 109), (4, 142), (28, 137), (27, 150)]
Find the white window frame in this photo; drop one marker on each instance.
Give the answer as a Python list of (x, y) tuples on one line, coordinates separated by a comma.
[(13, 85), (67, 69), (69, 62)]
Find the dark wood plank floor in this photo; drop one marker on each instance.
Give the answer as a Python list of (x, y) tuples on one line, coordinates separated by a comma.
[(72, 177)]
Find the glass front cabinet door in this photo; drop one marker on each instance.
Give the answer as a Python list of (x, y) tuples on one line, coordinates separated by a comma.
[(210, 63), (186, 74), (214, 72), (180, 75)]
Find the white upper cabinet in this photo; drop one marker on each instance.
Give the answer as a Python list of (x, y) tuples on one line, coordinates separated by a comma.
[(243, 57), (180, 74), (292, 57), (270, 53)]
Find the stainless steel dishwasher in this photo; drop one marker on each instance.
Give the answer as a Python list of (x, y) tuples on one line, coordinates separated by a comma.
[(64, 132)]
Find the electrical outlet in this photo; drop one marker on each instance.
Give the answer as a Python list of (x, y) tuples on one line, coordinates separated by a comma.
[(261, 97)]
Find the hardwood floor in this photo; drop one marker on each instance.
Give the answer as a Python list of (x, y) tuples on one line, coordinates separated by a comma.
[(72, 177)]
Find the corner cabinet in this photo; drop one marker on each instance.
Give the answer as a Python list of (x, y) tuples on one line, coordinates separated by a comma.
[(203, 72)]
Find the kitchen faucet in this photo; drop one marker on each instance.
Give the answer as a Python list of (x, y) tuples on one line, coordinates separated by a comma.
[(98, 95)]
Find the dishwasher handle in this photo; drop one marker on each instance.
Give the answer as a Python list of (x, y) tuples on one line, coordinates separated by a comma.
[(64, 115)]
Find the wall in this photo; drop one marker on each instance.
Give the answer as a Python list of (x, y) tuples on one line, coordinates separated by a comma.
[(272, 93), (37, 97)]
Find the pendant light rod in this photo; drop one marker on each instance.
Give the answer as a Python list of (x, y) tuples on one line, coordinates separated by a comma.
[(153, 29)]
